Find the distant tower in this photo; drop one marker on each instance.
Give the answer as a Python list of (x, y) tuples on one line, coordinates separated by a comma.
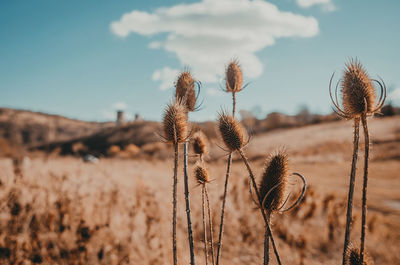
[(138, 117), (120, 117)]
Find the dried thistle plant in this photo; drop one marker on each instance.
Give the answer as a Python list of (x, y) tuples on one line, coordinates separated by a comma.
[(232, 134), (233, 81), (185, 90), (175, 127), (175, 123), (272, 190), (233, 84), (200, 144), (203, 178), (231, 131), (353, 257), (273, 181), (359, 101)]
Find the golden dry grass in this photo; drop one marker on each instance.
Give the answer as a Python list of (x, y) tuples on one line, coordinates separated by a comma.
[(65, 211)]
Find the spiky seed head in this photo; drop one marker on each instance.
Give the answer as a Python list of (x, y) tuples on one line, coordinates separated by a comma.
[(231, 131), (175, 122), (358, 93), (200, 143), (201, 174), (274, 175), (185, 90), (233, 77), (353, 257)]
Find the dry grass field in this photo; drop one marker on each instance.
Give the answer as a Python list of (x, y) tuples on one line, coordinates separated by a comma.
[(65, 211)]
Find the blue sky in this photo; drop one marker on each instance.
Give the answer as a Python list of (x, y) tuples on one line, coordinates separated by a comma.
[(84, 59)]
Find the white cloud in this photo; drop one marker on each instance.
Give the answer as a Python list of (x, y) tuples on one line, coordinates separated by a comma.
[(326, 5), (166, 76), (120, 106), (212, 91), (207, 34), (155, 45), (395, 94)]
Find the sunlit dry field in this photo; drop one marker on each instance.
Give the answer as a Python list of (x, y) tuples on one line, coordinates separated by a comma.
[(65, 211)]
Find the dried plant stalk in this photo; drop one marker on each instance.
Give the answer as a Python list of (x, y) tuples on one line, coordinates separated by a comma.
[(175, 131), (187, 202), (351, 188), (266, 247), (210, 224), (365, 182), (221, 224), (233, 78), (203, 214), (246, 162), (272, 188), (174, 203), (202, 177)]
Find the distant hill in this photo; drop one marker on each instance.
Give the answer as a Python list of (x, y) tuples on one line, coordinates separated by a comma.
[(23, 129), (137, 133)]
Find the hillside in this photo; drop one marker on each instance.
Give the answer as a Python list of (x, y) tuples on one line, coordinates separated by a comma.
[(96, 213), (21, 128)]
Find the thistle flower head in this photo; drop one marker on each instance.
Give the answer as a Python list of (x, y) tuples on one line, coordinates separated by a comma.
[(274, 181), (185, 90), (201, 174), (200, 143), (358, 93), (231, 131), (353, 257), (233, 77), (175, 122)]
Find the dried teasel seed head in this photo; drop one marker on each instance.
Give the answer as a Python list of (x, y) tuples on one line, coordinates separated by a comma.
[(200, 143), (274, 180), (358, 93), (185, 90), (233, 77), (175, 122), (353, 257), (201, 174), (231, 131)]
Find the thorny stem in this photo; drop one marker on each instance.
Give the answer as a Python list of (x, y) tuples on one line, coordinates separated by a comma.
[(234, 103), (203, 212), (189, 222), (221, 224), (246, 162), (266, 247), (351, 187), (228, 170), (174, 202), (364, 196), (210, 225)]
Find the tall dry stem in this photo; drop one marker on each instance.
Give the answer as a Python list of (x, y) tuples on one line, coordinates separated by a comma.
[(221, 224), (246, 162), (187, 202), (203, 214), (210, 224), (266, 247), (351, 188), (364, 195), (233, 84), (175, 132), (174, 203)]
